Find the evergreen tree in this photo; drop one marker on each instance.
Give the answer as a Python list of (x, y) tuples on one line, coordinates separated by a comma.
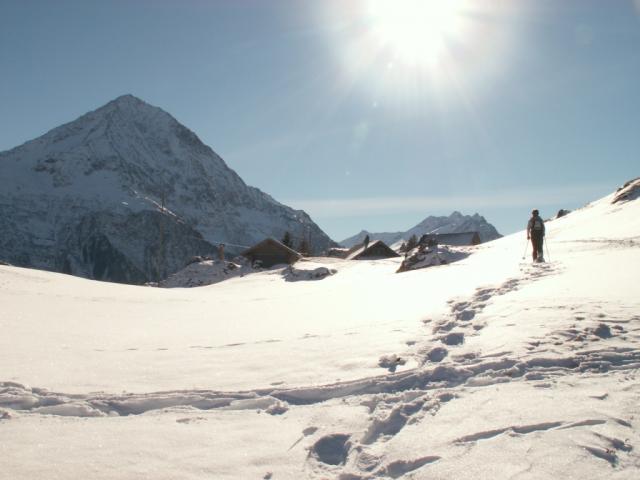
[(412, 242), (304, 248), (286, 240)]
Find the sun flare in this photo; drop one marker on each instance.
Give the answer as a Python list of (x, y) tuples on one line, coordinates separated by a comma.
[(415, 32), (403, 50)]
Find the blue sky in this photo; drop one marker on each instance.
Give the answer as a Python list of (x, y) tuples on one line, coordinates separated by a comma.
[(327, 107)]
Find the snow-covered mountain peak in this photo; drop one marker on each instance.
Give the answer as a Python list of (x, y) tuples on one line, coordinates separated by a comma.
[(128, 145), (130, 104), (128, 111), (454, 223), (128, 99), (122, 111), (125, 158)]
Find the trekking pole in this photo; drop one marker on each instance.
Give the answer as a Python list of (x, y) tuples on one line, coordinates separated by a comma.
[(526, 247), (547, 247)]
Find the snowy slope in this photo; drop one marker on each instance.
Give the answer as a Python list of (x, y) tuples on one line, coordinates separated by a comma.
[(86, 198), (507, 369), (454, 223)]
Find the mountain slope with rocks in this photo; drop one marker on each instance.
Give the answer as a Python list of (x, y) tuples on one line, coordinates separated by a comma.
[(126, 193), (454, 223)]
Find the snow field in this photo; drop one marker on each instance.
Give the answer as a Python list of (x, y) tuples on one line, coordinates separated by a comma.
[(509, 370), (243, 333)]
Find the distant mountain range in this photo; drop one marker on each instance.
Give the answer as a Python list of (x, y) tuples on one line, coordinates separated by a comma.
[(454, 223), (126, 193)]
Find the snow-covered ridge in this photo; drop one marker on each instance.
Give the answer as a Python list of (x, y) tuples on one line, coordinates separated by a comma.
[(454, 223), (128, 184)]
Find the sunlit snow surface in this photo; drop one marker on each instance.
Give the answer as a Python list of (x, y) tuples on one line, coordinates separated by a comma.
[(505, 369)]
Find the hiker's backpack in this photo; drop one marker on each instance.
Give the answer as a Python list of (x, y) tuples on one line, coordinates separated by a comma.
[(537, 224)]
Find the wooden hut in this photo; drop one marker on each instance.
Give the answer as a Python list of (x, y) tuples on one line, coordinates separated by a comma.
[(375, 250), (270, 252), (338, 252), (462, 239)]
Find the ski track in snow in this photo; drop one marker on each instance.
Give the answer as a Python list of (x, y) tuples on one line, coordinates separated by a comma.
[(450, 331), (466, 372)]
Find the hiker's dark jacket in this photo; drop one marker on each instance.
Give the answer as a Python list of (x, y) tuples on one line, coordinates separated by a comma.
[(535, 226)]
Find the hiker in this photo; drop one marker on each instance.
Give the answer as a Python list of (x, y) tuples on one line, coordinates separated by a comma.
[(366, 241), (535, 233), (221, 252)]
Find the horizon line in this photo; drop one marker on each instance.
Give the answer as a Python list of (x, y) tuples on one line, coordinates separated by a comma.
[(508, 198)]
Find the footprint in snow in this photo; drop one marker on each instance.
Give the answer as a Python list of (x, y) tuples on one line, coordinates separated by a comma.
[(602, 331), (466, 315), (391, 362), (331, 449), (459, 306), (444, 327), (437, 354), (455, 338)]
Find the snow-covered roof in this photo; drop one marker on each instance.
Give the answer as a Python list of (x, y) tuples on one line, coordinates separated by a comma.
[(456, 239), (271, 249), (376, 248)]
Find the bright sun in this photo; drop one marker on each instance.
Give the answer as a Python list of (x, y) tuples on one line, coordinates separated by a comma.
[(416, 31), (406, 49)]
